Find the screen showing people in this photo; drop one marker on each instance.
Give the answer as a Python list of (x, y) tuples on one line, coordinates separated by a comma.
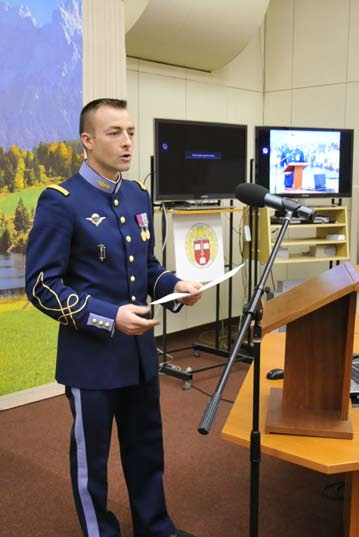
[(303, 161)]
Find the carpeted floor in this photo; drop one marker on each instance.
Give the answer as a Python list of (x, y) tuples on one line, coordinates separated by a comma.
[(207, 479)]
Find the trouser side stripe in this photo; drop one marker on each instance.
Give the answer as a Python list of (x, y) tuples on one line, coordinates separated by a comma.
[(82, 469)]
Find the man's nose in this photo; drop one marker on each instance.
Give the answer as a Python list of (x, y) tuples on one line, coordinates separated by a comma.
[(126, 139)]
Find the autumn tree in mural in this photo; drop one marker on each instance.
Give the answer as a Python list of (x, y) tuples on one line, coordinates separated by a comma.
[(26, 172)]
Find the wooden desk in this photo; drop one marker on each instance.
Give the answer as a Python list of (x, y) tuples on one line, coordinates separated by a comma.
[(326, 455)]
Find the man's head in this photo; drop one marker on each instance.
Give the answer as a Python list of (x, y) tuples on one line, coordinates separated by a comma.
[(107, 133)]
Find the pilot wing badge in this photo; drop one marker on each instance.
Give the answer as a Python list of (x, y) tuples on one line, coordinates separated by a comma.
[(96, 219)]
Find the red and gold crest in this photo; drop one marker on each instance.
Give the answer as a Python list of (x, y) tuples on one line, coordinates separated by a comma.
[(201, 245), (202, 251)]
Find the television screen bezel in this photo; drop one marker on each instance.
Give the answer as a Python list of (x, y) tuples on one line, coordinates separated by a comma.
[(261, 175), (158, 194)]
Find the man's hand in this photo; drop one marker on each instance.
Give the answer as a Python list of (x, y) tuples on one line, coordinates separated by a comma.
[(188, 287), (129, 322)]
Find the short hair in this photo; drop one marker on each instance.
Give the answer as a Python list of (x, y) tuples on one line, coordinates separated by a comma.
[(94, 105)]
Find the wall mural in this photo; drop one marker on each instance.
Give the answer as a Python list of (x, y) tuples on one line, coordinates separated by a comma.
[(41, 99)]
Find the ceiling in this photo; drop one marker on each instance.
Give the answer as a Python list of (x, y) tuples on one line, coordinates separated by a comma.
[(197, 34)]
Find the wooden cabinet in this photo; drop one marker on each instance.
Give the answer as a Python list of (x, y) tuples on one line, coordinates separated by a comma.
[(304, 242)]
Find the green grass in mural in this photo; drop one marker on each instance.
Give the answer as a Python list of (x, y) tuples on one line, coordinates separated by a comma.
[(8, 202), (28, 346)]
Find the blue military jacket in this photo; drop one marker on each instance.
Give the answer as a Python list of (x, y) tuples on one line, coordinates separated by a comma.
[(90, 251)]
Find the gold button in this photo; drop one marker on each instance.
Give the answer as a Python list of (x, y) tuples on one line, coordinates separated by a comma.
[(133, 278), (94, 321), (107, 325), (128, 238), (122, 219), (131, 259), (133, 298), (115, 202), (100, 323)]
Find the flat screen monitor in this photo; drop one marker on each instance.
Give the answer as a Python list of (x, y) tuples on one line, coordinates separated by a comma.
[(198, 160), (304, 162)]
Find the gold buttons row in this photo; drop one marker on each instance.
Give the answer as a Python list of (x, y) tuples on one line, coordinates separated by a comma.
[(122, 218), (128, 239), (101, 323), (131, 260)]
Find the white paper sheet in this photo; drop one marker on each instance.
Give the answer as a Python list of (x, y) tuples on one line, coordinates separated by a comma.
[(216, 281)]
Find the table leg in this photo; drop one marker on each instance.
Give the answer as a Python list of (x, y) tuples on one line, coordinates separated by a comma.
[(351, 505)]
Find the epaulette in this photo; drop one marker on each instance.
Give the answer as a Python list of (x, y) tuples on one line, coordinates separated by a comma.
[(141, 185), (59, 188)]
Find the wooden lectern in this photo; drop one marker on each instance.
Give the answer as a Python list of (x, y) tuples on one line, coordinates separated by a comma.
[(320, 316), (297, 169)]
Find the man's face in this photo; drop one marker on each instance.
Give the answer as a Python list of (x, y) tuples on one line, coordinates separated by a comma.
[(109, 141)]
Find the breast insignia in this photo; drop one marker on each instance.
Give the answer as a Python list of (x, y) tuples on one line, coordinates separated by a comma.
[(96, 219)]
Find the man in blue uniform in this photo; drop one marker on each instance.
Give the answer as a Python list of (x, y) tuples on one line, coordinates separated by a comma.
[(90, 265)]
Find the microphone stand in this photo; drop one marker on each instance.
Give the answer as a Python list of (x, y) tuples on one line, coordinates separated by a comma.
[(251, 312)]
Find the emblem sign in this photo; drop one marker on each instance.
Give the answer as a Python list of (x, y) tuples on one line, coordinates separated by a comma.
[(201, 245)]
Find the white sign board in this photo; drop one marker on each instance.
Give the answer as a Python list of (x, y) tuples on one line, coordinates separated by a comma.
[(198, 244)]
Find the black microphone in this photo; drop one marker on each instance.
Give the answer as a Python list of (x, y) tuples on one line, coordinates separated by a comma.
[(258, 196)]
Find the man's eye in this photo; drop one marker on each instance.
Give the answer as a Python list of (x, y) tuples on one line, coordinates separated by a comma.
[(114, 133)]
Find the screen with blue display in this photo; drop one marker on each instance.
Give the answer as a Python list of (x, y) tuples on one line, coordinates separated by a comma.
[(196, 160)]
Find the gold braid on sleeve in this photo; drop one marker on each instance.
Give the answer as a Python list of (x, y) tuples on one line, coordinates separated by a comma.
[(66, 312)]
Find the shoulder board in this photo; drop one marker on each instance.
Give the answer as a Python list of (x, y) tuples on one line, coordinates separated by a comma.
[(59, 188), (141, 185)]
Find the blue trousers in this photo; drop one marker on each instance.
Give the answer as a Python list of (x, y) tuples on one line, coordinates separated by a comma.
[(137, 413)]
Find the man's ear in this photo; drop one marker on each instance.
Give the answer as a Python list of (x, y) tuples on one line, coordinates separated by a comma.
[(87, 140)]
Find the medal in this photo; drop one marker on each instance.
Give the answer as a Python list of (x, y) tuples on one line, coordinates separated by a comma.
[(145, 222), (142, 221)]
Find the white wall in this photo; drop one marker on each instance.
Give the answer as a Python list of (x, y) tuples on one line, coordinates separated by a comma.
[(312, 79), (232, 95), (301, 69)]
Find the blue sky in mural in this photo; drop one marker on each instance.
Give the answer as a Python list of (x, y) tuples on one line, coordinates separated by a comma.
[(41, 10), (42, 89)]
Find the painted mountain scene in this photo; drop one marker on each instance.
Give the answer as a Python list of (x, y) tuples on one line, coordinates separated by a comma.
[(41, 99)]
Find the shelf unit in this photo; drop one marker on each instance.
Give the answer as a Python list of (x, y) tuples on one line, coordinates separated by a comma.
[(296, 246)]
